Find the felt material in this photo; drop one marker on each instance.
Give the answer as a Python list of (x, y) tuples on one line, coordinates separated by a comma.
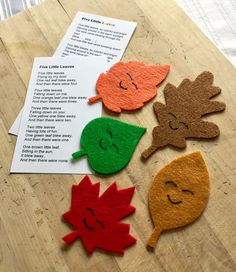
[(97, 219), (178, 194), (109, 144), (180, 118), (128, 85)]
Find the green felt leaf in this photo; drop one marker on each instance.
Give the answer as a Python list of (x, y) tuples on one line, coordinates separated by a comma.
[(109, 144)]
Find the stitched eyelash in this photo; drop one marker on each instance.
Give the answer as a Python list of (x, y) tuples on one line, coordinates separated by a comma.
[(108, 130), (136, 87), (187, 191), (116, 147), (129, 76), (171, 182), (91, 210), (100, 223), (100, 144), (184, 124), (172, 114)]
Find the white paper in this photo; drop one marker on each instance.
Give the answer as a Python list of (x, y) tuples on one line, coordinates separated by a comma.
[(16, 125), (55, 113), (90, 34)]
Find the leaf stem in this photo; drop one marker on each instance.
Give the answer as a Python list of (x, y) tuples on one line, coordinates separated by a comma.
[(149, 151), (154, 237), (94, 98), (69, 238), (78, 154)]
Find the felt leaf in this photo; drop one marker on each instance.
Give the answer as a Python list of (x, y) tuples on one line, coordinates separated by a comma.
[(180, 117), (178, 194), (97, 219), (128, 85), (109, 144)]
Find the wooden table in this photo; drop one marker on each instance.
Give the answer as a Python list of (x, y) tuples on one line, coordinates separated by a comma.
[(31, 205)]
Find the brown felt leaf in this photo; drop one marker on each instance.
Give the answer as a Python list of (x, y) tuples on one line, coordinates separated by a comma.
[(180, 117), (178, 194)]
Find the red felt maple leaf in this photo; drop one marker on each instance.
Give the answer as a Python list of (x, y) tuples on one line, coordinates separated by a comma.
[(97, 219)]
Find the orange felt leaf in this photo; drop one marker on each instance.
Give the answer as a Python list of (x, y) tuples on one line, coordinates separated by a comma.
[(127, 85), (178, 194)]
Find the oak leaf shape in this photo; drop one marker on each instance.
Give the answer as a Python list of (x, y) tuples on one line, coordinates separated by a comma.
[(181, 117)]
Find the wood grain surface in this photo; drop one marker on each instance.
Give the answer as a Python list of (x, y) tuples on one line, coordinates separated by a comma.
[(31, 205)]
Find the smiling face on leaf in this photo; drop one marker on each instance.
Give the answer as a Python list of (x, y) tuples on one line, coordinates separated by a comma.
[(180, 191), (176, 198), (174, 126), (181, 116), (179, 197), (108, 143), (90, 221), (178, 194), (128, 85), (97, 219)]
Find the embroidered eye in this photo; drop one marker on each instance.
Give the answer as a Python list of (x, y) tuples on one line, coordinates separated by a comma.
[(184, 124), (101, 144), (109, 132), (136, 87), (172, 114), (129, 76), (100, 223), (116, 147), (171, 183), (187, 191), (91, 211)]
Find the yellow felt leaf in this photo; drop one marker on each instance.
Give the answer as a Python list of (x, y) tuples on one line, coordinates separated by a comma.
[(178, 194)]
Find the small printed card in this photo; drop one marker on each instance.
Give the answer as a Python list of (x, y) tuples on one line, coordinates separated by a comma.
[(92, 35), (55, 113)]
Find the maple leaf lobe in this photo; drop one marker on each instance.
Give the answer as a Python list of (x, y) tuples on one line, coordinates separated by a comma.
[(96, 219)]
